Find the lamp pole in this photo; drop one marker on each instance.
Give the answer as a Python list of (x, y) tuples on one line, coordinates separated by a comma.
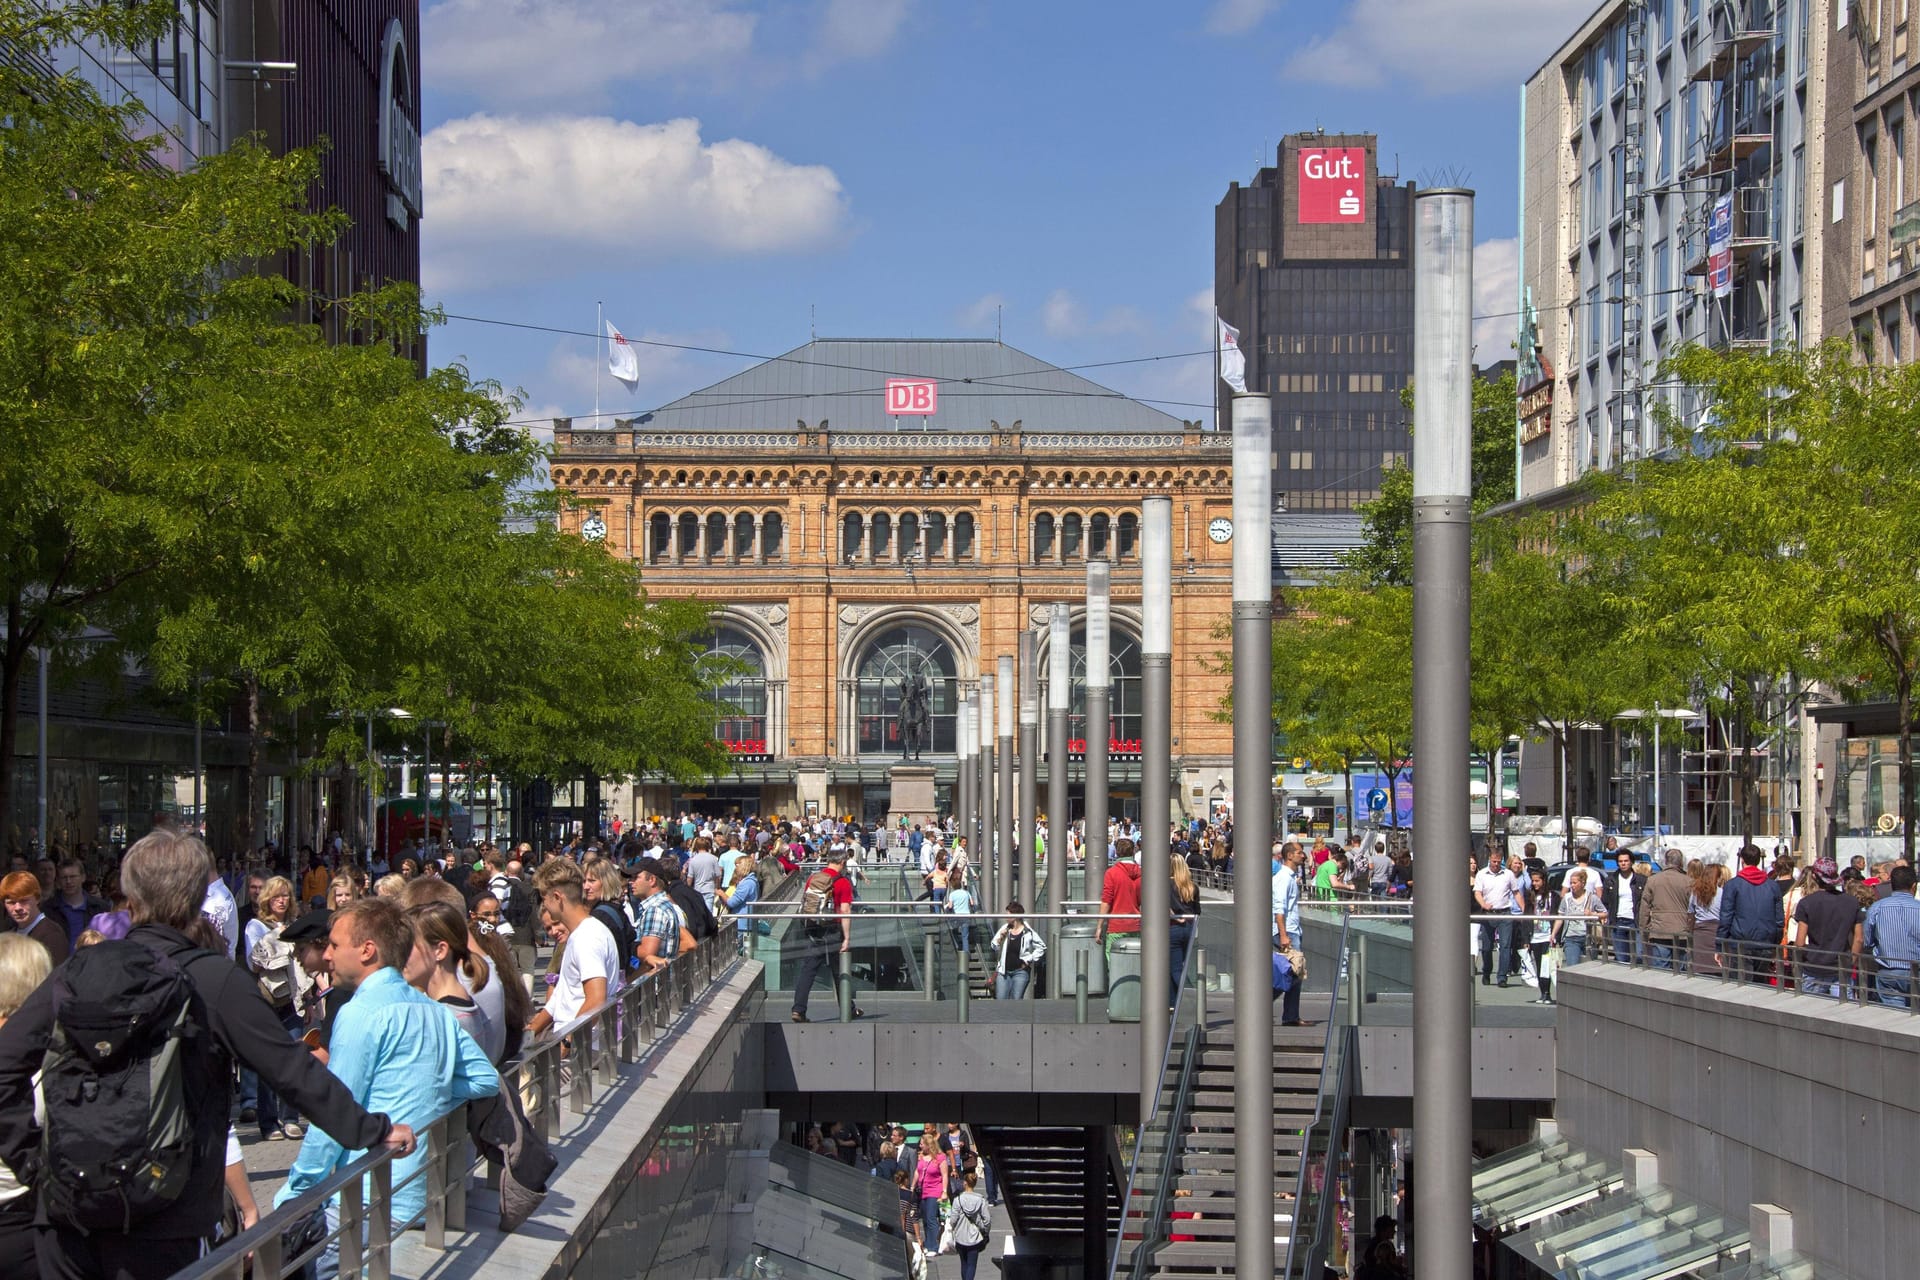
[(1156, 766), (1029, 766), (1099, 686), (963, 779), (988, 860), (1442, 458), (1059, 712), (1253, 1202), (1004, 801)]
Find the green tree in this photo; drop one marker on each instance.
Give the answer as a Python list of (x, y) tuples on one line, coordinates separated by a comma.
[(1385, 553)]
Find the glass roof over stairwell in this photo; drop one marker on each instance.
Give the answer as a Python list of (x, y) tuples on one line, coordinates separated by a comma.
[(1536, 1180), (1654, 1234)]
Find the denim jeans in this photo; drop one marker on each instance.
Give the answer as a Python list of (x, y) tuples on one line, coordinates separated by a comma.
[(1496, 937), (1659, 955), (1012, 986), (1623, 941), (1180, 941), (1573, 948), (929, 1222), (1893, 989)]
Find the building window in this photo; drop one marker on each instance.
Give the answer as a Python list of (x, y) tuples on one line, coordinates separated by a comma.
[(1662, 275), (1072, 536), (963, 536), (1616, 307), (773, 536), (1897, 148), (743, 536), (1663, 143), (689, 536), (1042, 539), (1300, 460), (852, 529), (1890, 323), (1123, 699), (910, 536), (716, 543), (741, 720), (1840, 196), (659, 537), (936, 535), (894, 658), (1099, 535), (1593, 320), (1128, 536)]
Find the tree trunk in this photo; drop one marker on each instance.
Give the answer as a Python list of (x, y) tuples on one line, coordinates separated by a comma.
[(1904, 690), (248, 806), (13, 660)]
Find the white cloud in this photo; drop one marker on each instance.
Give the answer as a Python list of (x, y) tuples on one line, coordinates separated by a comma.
[(981, 312), (576, 50), (1063, 316), (1236, 17), (535, 49), (509, 197), (1496, 285), (1443, 46)]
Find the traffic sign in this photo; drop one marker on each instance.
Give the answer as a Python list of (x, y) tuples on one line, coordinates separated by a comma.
[(1377, 799)]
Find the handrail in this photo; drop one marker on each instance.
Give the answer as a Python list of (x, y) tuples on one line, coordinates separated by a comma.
[(1330, 1059), (1157, 1221), (612, 1037), (1148, 1229)]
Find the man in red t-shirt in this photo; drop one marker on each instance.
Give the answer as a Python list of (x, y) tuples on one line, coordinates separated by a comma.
[(827, 891), (1120, 893)]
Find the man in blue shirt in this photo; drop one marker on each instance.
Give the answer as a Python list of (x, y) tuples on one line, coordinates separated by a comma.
[(396, 1050), (1286, 924), (1893, 937)]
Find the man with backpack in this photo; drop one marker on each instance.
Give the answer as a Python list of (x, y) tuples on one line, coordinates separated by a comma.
[(136, 1039), (827, 893)]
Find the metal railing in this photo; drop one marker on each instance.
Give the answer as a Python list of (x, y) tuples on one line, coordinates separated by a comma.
[(1843, 977), (578, 1062), (1174, 1103), (1305, 1259)]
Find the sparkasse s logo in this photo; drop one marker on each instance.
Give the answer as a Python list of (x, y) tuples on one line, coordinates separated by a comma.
[(1333, 184)]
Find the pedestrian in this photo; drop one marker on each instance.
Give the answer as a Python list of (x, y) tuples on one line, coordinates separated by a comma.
[(968, 1223), (1120, 895), (1704, 880), (1752, 920), (281, 981), (745, 892), (165, 876), (1580, 906), (1827, 925), (21, 889), (930, 1178), (590, 969), (1016, 949), (1286, 926), (1891, 934), (960, 904), (1620, 892), (1663, 918), (1543, 904), (827, 894), (1494, 892), (1186, 919), (444, 967), (24, 965), (396, 1050)]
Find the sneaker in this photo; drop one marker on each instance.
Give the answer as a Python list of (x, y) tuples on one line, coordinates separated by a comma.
[(292, 1131), (248, 1115), (274, 1135), (798, 1016)]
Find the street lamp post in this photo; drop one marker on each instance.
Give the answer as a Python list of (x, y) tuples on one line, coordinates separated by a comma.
[(1156, 766), (1004, 803), (1029, 768), (987, 860), (963, 779), (1059, 713), (1253, 1199), (1442, 490), (1099, 687)]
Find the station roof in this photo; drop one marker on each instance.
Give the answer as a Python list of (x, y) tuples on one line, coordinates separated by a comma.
[(839, 384)]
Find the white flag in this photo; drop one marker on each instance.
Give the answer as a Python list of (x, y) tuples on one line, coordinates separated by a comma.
[(622, 363), (1233, 361)]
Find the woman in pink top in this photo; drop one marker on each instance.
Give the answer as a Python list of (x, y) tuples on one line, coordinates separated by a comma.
[(930, 1176)]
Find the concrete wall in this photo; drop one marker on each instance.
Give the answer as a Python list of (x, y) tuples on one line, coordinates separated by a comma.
[(1749, 1095)]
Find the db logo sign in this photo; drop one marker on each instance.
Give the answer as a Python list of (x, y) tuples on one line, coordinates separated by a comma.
[(916, 396), (1333, 184)]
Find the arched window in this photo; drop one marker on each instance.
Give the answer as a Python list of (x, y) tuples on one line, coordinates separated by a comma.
[(773, 536), (1127, 537), (716, 546), (1099, 530), (740, 721), (893, 658), (689, 535), (1123, 702), (743, 536), (880, 540), (963, 536), (659, 537), (937, 535), (1072, 539), (910, 537), (1042, 539), (850, 529)]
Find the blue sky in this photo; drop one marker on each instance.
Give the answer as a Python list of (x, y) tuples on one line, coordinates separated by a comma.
[(716, 171)]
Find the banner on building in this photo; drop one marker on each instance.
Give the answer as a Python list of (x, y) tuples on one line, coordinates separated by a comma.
[(1720, 246)]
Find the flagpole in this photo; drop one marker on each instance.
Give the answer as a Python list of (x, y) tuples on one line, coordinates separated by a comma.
[(1216, 368), (599, 340)]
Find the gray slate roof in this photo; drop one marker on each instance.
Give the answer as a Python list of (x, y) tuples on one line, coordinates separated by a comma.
[(841, 380)]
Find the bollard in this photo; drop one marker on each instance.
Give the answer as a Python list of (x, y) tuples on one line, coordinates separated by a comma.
[(966, 988), (846, 986), (927, 967), (1080, 986)]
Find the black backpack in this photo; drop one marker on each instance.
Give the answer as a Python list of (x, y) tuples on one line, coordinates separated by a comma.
[(517, 910), (620, 927), (118, 1142)]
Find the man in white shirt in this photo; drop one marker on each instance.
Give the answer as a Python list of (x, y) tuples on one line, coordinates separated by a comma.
[(1494, 890), (590, 967)]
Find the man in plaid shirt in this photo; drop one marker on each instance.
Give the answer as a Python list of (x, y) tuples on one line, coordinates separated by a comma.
[(658, 921)]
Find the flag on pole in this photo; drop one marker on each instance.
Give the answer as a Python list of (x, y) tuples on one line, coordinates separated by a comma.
[(622, 362), (1233, 361)]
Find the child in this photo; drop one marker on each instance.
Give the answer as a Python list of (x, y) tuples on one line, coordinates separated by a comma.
[(909, 1206)]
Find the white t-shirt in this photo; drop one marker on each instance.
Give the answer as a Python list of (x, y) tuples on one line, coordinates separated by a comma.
[(1495, 889), (492, 1003), (591, 953)]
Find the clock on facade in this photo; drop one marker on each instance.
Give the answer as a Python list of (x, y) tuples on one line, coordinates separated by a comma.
[(1220, 529), (593, 528)]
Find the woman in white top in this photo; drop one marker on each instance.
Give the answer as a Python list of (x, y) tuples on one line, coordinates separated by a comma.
[(960, 903), (1580, 906), (282, 982), (24, 965)]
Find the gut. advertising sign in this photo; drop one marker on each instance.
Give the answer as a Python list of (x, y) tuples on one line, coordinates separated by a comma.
[(919, 396), (1333, 184)]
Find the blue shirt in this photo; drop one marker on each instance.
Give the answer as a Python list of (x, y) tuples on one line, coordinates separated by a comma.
[(404, 1055), (745, 894), (1892, 931), (1286, 901)]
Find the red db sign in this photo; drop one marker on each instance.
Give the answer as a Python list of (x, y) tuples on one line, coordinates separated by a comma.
[(1333, 184), (917, 396)]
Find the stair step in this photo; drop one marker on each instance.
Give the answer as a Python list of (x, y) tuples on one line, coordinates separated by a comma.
[(1222, 1099), (1229, 1142), (1305, 1079), (1305, 1058)]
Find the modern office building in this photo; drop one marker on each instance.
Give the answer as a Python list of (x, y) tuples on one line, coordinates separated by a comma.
[(846, 548), (1663, 172), (1313, 264)]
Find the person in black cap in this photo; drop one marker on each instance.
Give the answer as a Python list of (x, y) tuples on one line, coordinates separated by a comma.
[(322, 1004)]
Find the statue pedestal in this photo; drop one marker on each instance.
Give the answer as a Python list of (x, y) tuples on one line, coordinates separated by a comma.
[(913, 795)]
